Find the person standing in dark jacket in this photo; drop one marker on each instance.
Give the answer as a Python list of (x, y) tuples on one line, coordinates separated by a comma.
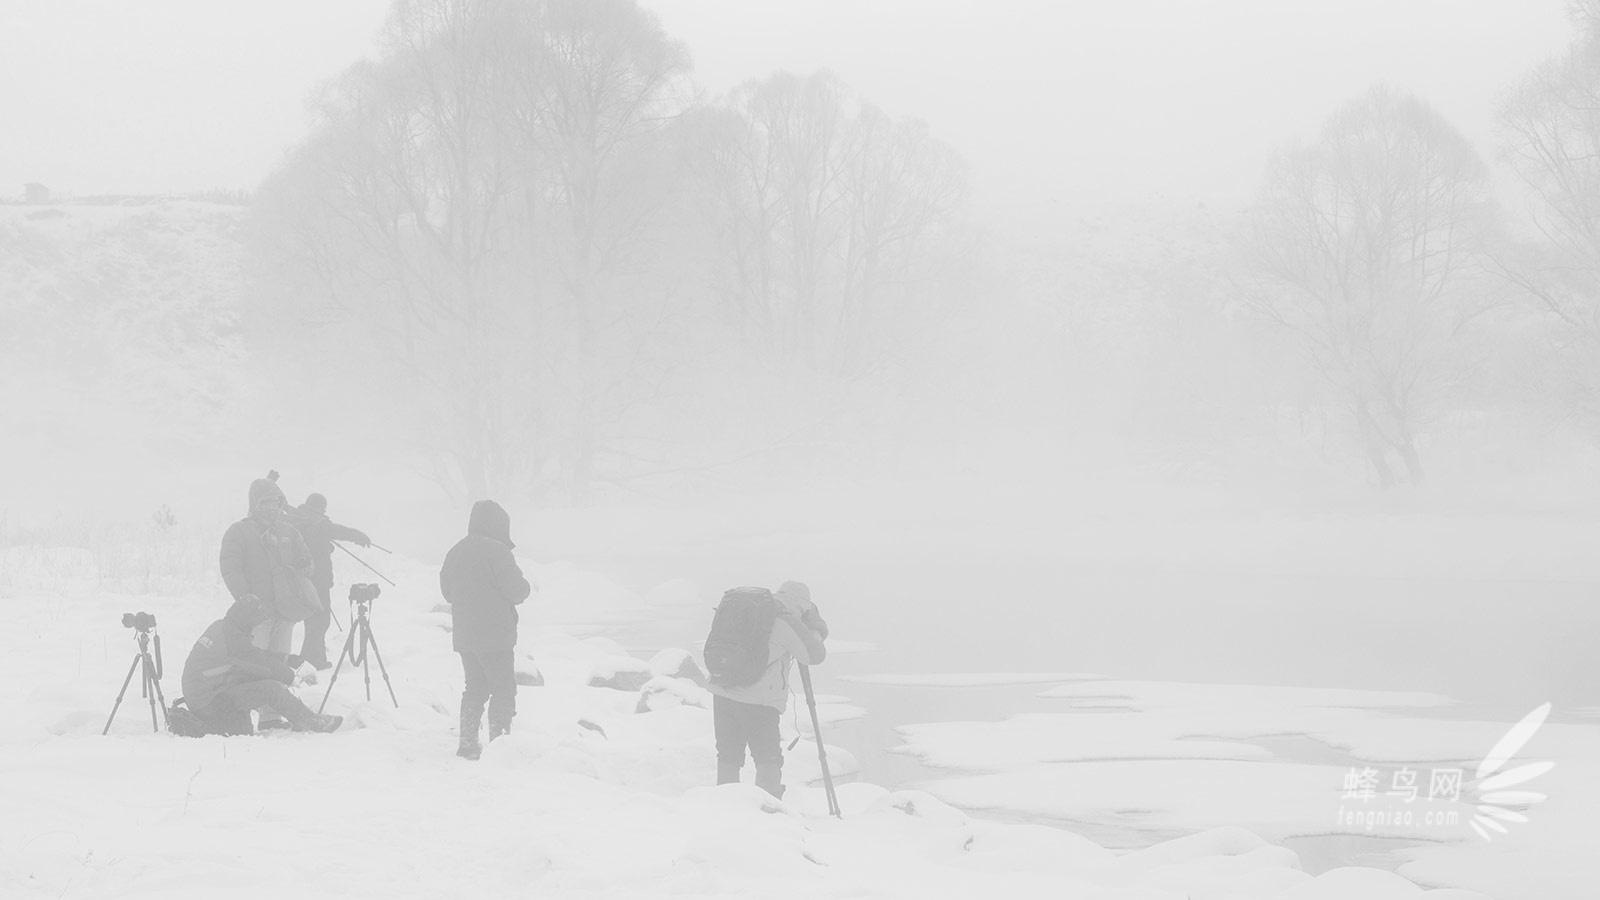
[(226, 676), (483, 584), (319, 531), (252, 549)]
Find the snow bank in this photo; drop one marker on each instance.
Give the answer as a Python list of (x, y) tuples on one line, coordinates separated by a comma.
[(619, 807)]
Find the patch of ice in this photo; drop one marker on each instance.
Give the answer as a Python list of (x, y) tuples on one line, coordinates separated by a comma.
[(969, 679)]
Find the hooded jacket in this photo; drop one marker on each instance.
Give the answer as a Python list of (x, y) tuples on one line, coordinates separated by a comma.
[(483, 584), (223, 656)]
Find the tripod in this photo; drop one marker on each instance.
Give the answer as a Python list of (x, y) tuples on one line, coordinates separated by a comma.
[(822, 752), (360, 626), (150, 680)]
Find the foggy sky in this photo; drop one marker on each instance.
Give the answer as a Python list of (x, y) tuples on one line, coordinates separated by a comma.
[(1052, 103)]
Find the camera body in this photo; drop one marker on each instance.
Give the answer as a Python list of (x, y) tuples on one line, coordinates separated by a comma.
[(364, 593), (142, 621)]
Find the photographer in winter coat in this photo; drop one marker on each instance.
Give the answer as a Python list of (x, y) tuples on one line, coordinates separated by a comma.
[(483, 584), (226, 677), (319, 531), (747, 716), (264, 556)]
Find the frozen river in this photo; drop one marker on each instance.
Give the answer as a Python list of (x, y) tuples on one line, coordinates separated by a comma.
[(1498, 647)]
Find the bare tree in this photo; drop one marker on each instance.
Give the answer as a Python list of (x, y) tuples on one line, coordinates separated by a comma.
[(466, 196), (500, 198), (744, 207), (820, 203), (600, 78), (899, 185), (1368, 246), (1550, 128), (802, 120)]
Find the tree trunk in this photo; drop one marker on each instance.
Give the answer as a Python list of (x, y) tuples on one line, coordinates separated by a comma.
[(1372, 441), (1408, 453)]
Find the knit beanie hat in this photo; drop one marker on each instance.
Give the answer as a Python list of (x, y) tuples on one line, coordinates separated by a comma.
[(263, 489)]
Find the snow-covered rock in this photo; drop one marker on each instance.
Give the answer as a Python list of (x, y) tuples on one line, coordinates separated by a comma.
[(621, 673), (921, 805), (675, 663), (661, 692)]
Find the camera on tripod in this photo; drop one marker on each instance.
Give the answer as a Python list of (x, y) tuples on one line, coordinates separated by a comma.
[(356, 644), (147, 663), (142, 621)]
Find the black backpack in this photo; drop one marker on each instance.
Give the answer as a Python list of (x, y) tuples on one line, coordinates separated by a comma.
[(736, 649)]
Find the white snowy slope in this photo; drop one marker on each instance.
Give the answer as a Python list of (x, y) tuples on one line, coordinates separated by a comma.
[(384, 809)]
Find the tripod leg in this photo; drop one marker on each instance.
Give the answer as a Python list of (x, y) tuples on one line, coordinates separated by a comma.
[(381, 670), (145, 686), (343, 655), (822, 753), (158, 700), (366, 668), (137, 658)]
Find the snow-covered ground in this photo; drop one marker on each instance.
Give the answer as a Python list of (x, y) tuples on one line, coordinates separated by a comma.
[(383, 808)]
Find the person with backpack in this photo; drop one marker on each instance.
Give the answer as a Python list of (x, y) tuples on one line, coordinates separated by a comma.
[(311, 520), (483, 584), (755, 636), (264, 557), (226, 677)]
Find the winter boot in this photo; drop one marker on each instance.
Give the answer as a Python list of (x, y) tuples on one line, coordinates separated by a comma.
[(469, 747), (317, 724), (498, 726), (770, 779)]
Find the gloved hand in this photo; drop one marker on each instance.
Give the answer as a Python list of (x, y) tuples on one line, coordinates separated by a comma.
[(362, 539), (305, 674), (813, 620), (259, 609)]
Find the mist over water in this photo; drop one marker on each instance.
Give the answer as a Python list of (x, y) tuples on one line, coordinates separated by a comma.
[(1250, 344)]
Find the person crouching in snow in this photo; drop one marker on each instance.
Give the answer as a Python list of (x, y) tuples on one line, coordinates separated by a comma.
[(483, 584), (748, 715), (226, 676)]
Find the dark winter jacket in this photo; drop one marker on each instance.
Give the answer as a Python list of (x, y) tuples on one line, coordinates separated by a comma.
[(224, 656), (319, 533), (483, 584), (248, 549)]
